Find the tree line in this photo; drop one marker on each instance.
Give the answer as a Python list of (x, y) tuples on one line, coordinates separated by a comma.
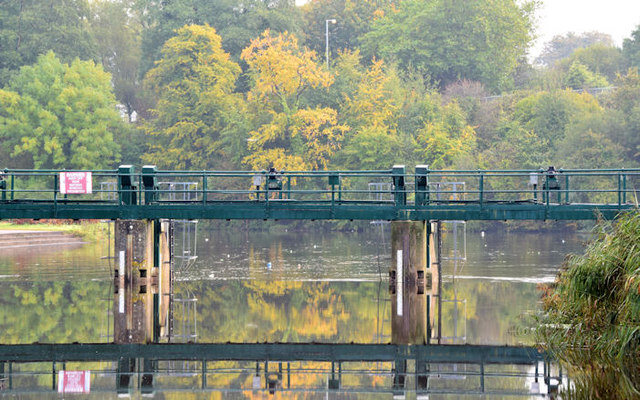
[(195, 84)]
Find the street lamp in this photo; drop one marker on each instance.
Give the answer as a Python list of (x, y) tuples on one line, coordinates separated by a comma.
[(326, 33)]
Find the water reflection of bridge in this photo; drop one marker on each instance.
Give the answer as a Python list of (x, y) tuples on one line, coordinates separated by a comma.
[(398, 369)]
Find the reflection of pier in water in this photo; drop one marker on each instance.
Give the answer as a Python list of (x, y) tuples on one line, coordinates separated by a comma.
[(278, 367)]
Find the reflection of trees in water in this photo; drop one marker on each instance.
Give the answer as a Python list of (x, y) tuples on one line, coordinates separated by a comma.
[(287, 311), (53, 312)]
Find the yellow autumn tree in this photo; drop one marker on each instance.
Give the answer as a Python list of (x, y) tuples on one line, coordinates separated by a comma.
[(371, 109), (196, 108), (288, 133), (374, 104)]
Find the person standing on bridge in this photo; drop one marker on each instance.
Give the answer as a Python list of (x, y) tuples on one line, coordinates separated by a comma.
[(274, 182), (551, 183)]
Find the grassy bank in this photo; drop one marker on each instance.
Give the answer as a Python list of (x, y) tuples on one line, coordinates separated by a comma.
[(88, 230), (592, 314)]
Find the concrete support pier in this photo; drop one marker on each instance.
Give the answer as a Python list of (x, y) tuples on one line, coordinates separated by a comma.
[(410, 281), (142, 284), (142, 280), (413, 277), (135, 281)]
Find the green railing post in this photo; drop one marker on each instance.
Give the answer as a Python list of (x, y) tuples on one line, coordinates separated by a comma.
[(53, 376), (560, 171), (624, 188), (204, 374), (205, 188), (482, 376), (139, 195), (55, 191), (480, 187), (566, 188), (619, 190), (333, 181), (545, 187), (12, 185), (149, 180), (3, 186), (400, 194), (422, 188), (288, 187)]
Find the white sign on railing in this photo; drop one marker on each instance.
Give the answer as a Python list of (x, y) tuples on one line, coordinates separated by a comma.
[(74, 381), (75, 183)]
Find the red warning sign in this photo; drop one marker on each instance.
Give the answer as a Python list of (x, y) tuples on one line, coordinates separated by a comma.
[(74, 381), (75, 183)]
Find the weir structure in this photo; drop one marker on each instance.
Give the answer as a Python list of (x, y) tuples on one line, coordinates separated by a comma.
[(413, 203)]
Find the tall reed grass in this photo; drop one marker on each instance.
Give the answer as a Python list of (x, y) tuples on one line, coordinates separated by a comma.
[(591, 320)]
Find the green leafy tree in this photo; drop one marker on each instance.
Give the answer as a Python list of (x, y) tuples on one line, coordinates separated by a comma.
[(624, 106), (588, 143), (600, 60), (445, 136), (548, 114), (563, 46), (117, 31), (449, 40), (579, 77), (515, 147), (60, 116), (237, 22), (30, 28), (631, 48), (194, 82), (353, 20)]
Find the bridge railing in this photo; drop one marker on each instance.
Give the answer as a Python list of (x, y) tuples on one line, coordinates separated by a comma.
[(396, 187), (45, 186), (611, 187)]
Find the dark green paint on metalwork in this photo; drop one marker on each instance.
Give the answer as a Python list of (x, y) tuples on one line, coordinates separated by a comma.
[(472, 354), (326, 195)]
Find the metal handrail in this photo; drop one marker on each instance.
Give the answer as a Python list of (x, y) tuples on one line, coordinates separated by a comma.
[(483, 186)]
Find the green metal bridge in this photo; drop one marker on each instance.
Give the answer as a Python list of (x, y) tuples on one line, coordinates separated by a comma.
[(269, 368), (393, 194)]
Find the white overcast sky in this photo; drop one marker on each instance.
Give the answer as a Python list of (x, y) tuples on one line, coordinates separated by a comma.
[(616, 17), (556, 17)]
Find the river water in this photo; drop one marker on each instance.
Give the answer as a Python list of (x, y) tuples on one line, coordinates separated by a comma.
[(312, 286)]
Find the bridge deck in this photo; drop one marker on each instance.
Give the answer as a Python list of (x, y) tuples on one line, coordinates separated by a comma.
[(359, 195)]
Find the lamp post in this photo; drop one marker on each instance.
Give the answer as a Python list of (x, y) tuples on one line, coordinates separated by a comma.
[(326, 33)]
